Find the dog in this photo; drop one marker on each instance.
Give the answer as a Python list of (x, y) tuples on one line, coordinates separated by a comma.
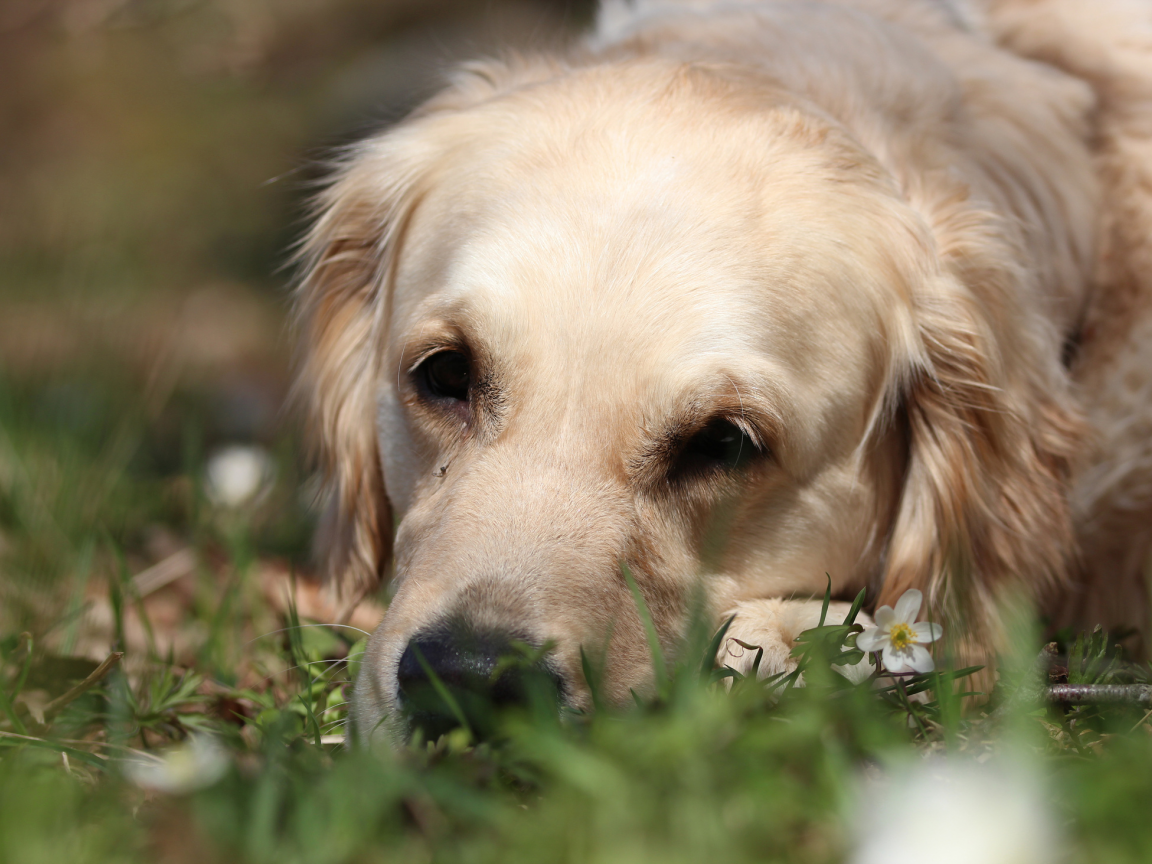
[(729, 300)]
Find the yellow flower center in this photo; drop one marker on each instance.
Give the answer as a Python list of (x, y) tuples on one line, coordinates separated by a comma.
[(902, 635)]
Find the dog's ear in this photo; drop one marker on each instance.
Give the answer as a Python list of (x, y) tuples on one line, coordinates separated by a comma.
[(342, 308), (992, 436)]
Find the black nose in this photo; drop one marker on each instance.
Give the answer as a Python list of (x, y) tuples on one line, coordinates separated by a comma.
[(459, 675)]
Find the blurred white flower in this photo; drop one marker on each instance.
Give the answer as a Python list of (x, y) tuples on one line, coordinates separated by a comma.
[(899, 639), (957, 812), (238, 474), (195, 764)]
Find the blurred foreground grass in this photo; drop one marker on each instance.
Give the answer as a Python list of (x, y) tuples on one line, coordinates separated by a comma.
[(151, 156), (217, 735)]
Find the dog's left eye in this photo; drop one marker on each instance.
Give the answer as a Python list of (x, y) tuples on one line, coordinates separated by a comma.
[(445, 375), (720, 442)]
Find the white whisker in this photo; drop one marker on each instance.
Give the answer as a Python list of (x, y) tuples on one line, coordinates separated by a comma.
[(301, 627)]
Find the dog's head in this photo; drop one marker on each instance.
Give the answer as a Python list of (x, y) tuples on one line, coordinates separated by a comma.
[(663, 317)]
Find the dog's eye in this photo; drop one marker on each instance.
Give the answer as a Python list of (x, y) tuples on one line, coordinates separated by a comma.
[(721, 443), (445, 375)]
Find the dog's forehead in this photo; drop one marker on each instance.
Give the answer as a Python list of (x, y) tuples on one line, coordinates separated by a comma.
[(657, 242), (626, 272), (676, 243)]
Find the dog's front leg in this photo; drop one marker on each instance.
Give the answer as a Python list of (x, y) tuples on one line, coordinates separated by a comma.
[(774, 625)]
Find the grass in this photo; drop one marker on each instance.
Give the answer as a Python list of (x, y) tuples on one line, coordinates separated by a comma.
[(709, 768), (138, 331)]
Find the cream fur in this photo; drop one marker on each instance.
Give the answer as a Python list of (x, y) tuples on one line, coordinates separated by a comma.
[(866, 231), (773, 625)]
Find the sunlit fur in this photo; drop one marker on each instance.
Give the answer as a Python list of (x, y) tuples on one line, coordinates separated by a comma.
[(866, 232)]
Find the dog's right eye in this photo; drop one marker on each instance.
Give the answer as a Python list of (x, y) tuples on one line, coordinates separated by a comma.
[(719, 444), (445, 375)]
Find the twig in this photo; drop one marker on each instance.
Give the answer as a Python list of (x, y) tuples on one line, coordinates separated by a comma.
[(84, 742), (1034, 689), (1141, 721), (37, 740), (61, 702), (76, 743), (1100, 694), (164, 572)]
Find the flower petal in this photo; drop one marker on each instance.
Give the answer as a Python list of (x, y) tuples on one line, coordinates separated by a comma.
[(921, 660), (896, 660), (908, 606), (884, 617), (872, 639), (927, 632)]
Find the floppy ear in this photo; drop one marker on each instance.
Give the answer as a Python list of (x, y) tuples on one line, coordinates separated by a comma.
[(992, 434), (341, 315), (343, 305)]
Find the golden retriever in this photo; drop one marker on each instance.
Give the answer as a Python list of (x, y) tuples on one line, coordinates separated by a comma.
[(730, 297)]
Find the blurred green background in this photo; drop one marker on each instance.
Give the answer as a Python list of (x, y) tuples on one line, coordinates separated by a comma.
[(155, 159)]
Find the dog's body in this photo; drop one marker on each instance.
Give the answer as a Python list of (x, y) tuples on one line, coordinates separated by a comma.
[(740, 295)]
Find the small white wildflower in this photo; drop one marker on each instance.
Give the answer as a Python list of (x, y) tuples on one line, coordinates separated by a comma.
[(958, 812), (196, 764), (237, 474), (899, 639)]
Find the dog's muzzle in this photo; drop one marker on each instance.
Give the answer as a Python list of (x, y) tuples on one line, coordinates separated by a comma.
[(457, 676)]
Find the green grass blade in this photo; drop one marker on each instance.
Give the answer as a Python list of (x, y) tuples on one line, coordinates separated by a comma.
[(23, 679), (708, 661), (659, 666), (857, 605), (591, 678), (301, 660), (443, 692), (10, 712)]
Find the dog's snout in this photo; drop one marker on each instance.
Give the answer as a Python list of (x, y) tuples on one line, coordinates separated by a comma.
[(459, 675)]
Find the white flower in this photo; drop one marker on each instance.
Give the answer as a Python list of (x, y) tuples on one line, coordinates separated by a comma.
[(957, 812), (196, 764), (238, 474), (899, 639)]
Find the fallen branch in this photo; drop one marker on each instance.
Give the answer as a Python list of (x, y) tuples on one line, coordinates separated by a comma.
[(1034, 689), (1100, 694)]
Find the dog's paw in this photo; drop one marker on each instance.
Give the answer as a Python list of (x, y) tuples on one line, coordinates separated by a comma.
[(773, 625)]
